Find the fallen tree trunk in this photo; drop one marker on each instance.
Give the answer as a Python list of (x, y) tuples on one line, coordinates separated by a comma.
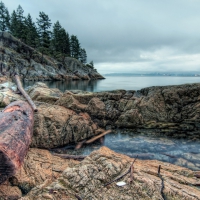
[(16, 126)]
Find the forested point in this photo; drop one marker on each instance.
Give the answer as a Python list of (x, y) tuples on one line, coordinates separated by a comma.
[(53, 41)]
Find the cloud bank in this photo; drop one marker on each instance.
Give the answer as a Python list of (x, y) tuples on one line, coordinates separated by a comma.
[(129, 35)]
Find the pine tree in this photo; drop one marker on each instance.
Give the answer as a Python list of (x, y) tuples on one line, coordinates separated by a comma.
[(56, 39), (75, 47), (13, 24), (4, 18), (83, 56), (21, 27), (60, 42), (44, 23), (17, 24), (31, 32), (65, 47)]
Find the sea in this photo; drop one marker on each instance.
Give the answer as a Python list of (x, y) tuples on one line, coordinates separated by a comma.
[(118, 82)]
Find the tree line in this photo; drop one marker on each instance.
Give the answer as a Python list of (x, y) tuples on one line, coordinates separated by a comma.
[(53, 41)]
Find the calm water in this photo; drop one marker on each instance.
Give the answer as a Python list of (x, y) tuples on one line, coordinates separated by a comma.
[(119, 82), (181, 152)]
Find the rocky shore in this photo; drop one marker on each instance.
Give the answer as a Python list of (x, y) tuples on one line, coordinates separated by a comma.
[(73, 116), (17, 57)]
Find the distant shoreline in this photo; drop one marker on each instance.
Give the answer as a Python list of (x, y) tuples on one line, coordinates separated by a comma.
[(154, 75)]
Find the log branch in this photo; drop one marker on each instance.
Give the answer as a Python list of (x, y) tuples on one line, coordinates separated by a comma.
[(162, 182), (67, 156), (129, 170), (97, 137), (80, 144), (21, 89)]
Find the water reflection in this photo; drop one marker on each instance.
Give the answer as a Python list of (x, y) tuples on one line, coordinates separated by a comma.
[(117, 82), (181, 152), (86, 85)]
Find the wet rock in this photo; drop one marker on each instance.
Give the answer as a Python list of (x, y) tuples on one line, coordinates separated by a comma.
[(69, 100), (57, 126), (96, 108), (130, 119), (8, 94), (87, 179), (40, 92), (169, 110)]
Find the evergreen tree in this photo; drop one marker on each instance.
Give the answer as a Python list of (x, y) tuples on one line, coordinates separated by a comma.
[(13, 24), (91, 63), (31, 32), (60, 41), (75, 47), (17, 24), (83, 56), (4, 18), (21, 27), (44, 24), (56, 39), (65, 47)]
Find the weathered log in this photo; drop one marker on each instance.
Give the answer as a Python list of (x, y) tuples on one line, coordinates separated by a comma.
[(16, 126), (100, 136), (67, 156), (21, 89), (97, 137)]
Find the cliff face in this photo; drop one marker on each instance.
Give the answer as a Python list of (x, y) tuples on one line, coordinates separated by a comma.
[(17, 57)]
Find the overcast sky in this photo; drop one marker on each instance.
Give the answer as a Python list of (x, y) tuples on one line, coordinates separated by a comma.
[(129, 35)]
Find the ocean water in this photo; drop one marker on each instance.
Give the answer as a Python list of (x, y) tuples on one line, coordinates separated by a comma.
[(179, 151), (118, 82)]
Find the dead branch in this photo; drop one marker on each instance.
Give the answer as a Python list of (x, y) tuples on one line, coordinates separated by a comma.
[(67, 156), (79, 198), (80, 144), (21, 89), (131, 174), (97, 137), (162, 182), (129, 170)]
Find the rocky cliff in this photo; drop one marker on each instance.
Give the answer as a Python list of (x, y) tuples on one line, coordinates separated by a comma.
[(17, 57)]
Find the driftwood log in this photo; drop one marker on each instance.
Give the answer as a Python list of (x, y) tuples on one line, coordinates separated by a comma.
[(16, 126), (21, 89), (80, 144)]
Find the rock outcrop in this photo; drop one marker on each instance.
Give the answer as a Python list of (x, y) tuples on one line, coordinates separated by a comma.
[(166, 110), (39, 167), (17, 57), (88, 180), (58, 126)]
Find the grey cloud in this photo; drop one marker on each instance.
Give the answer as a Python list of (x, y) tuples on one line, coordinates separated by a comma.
[(119, 31)]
